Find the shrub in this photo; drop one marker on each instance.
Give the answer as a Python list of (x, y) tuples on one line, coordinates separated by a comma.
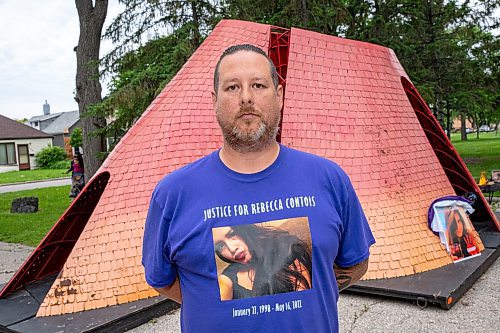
[(76, 139), (50, 155), (59, 165)]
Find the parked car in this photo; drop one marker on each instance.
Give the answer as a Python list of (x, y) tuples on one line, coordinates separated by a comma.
[(484, 128), (469, 130)]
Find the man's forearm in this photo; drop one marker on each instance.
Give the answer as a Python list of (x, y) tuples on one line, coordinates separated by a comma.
[(173, 291), (347, 276)]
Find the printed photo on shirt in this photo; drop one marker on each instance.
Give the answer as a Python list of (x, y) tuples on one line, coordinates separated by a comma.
[(263, 258), (461, 241)]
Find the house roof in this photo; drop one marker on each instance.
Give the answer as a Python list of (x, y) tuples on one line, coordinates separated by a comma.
[(64, 121), (11, 129), (44, 117)]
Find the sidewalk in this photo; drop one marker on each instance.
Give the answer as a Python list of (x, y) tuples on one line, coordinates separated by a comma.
[(4, 188)]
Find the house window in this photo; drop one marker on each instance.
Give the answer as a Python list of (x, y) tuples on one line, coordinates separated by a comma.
[(7, 153)]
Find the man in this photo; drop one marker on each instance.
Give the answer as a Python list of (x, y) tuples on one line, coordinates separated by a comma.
[(254, 180)]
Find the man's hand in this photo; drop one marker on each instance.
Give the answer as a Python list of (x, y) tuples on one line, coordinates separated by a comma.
[(347, 276), (173, 291)]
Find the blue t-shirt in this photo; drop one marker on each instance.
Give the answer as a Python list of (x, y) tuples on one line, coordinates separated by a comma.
[(300, 194)]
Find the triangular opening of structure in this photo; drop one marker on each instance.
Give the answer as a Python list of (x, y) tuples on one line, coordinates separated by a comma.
[(50, 255), (460, 178)]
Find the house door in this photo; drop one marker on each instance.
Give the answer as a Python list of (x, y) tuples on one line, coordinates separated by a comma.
[(24, 157)]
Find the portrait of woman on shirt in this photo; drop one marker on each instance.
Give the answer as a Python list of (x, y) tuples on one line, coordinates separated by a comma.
[(262, 261)]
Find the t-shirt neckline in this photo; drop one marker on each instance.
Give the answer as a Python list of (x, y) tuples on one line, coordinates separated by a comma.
[(250, 177)]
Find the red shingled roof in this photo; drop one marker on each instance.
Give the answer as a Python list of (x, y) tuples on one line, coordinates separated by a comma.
[(11, 129)]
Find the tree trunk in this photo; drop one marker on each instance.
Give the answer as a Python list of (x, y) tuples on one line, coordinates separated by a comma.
[(475, 124), (463, 127), (305, 13), (439, 109), (196, 25), (88, 88), (448, 121)]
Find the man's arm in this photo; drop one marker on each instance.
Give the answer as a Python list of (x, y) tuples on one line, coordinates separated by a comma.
[(347, 276), (173, 291)]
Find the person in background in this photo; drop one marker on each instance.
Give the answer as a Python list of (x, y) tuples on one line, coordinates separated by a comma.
[(77, 175)]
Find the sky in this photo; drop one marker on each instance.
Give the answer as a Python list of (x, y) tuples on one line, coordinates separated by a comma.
[(37, 61)]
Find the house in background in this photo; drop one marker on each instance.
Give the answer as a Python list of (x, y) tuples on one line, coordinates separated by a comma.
[(457, 124), (41, 122), (19, 144), (60, 125)]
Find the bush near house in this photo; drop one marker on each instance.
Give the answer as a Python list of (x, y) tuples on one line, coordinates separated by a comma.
[(48, 156), (76, 139), (60, 165)]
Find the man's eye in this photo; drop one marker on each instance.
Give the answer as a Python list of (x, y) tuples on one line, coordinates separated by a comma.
[(232, 87), (258, 85)]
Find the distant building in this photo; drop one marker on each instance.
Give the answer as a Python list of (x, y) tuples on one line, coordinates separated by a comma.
[(19, 144), (60, 125), (457, 124)]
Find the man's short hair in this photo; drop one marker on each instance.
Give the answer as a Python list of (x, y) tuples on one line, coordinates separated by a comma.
[(249, 48)]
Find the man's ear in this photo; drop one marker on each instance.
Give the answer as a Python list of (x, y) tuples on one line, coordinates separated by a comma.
[(279, 92), (214, 99)]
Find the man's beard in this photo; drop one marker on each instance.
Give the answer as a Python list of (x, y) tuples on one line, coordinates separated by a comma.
[(246, 140)]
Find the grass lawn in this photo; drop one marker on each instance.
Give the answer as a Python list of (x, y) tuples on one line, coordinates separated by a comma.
[(481, 154), (29, 175), (29, 229)]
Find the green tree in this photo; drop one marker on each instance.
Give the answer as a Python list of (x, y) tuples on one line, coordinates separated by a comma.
[(140, 77), (324, 16), (139, 69), (435, 41), (76, 139), (475, 96), (141, 21)]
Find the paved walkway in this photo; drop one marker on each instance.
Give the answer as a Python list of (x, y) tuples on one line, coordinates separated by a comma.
[(35, 184), (12, 256)]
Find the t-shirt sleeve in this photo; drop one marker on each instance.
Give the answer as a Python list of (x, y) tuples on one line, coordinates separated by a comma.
[(159, 270), (356, 236)]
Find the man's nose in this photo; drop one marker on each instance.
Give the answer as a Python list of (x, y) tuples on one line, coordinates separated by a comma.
[(246, 96)]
